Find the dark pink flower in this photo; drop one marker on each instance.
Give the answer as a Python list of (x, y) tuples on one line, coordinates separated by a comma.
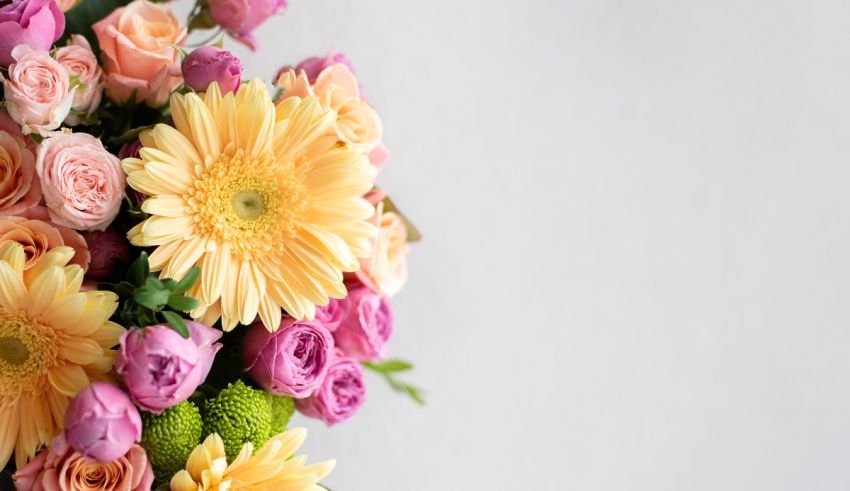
[(340, 395)]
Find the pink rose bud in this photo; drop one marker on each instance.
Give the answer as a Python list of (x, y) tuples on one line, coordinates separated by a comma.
[(78, 58), (101, 423), (331, 315), (313, 66), (161, 368), (291, 361), (340, 395), (240, 17), (35, 23), (364, 332), (106, 247), (210, 64)]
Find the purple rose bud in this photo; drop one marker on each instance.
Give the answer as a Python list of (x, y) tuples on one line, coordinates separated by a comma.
[(364, 332), (240, 17), (101, 423), (161, 368), (106, 247), (340, 395), (130, 149), (291, 361), (210, 64), (35, 23), (331, 315)]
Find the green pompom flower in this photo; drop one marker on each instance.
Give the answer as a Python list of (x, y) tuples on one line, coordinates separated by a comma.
[(170, 437), (239, 414)]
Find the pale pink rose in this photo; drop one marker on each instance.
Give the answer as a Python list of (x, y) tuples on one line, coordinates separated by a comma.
[(37, 235), (60, 468), (19, 189), (137, 48), (66, 5), (37, 91), (82, 183), (357, 124), (385, 272), (80, 62)]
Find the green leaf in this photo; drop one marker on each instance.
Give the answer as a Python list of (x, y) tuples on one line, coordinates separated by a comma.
[(393, 365), (413, 234), (152, 283), (139, 270), (130, 135), (201, 20), (152, 299), (191, 277), (125, 289), (182, 303), (176, 322)]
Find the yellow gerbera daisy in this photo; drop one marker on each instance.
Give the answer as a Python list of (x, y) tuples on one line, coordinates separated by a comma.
[(54, 340), (272, 468), (259, 197)]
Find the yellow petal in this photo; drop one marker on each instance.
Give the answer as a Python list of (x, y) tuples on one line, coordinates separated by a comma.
[(9, 424), (13, 294), (81, 351), (47, 286), (68, 379)]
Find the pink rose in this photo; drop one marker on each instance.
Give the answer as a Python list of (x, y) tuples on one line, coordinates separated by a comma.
[(210, 64), (160, 368), (106, 248), (331, 315), (34, 23), (60, 468), (19, 189), (357, 124), (37, 91), (37, 235), (341, 394), (385, 272), (136, 44), (82, 183), (240, 17), (291, 361), (80, 62), (379, 156), (364, 332), (101, 423)]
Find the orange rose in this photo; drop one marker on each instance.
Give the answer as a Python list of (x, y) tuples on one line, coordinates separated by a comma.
[(19, 189), (39, 236), (137, 49)]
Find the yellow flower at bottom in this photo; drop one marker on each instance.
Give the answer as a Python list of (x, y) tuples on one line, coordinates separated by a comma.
[(54, 341), (272, 468)]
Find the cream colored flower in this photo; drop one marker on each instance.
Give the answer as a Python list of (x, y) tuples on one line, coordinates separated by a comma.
[(271, 212), (54, 341), (272, 468)]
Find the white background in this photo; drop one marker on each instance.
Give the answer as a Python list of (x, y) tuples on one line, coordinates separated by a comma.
[(636, 266)]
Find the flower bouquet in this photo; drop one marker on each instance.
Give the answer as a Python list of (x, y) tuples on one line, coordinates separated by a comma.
[(186, 258)]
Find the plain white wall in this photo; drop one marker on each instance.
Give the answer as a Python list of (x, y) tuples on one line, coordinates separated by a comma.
[(636, 266)]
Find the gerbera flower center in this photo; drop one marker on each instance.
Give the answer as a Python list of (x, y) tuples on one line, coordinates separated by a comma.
[(28, 348), (251, 202)]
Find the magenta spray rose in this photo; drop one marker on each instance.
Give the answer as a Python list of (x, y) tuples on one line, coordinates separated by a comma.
[(291, 361), (101, 422), (34, 23), (364, 332), (161, 368), (340, 395), (240, 17), (210, 64)]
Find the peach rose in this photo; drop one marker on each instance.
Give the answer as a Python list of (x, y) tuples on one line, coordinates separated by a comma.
[(79, 60), (37, 91), (82, 183), (60, 468), (38, 236), (357, 124), (386, 270), (19, 188), (136, 44), (66, 5)]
